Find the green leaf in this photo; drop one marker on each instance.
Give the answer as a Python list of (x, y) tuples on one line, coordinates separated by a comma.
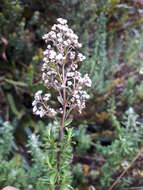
[(53, 178), (60, 99), (68, 122), (13, 106), (30, 74), (69, 131), (48, 162), (67, 187), (16, 83)]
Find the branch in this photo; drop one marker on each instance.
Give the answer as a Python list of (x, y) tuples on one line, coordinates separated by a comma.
[(125, 171)]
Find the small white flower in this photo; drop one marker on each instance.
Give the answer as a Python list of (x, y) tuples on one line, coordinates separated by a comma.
[(45, 52), (49, 46), (34, 109), (77, 96), (62, 21), (52, 112), (54, 27), (72, 55), (41, 111), (141, 71), (81, 57), (61, 110), (69, 83), (46, 81), (66, 43), (44, 76), (60, 40), (87, 80), (70, 74), (38, 95), (79, 45), (46, 97), (55, 81), (59, 35), (39, 92), (59, 56), (34, 103), (52, 54), (52, 34)]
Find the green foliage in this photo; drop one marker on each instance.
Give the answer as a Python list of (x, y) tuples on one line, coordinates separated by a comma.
[(11, 171), (111, 34), (44, 154), (5, 140), (128, 93), (123, 149), (112, 116), (42, 173), (97, 64), (78, 173), (80, 135), (132, 50)]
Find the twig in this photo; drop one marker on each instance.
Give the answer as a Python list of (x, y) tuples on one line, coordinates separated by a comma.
[(123, 173)]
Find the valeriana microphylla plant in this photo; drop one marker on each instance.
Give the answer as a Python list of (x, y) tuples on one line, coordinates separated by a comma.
[(61, 61)]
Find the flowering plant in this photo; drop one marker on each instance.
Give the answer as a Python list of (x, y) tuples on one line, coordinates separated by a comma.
[(60, 72)]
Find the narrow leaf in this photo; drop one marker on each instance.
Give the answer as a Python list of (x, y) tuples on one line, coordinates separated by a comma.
[(16, 83), (13, 106), (60, 99), (68, 122), (53, 178)]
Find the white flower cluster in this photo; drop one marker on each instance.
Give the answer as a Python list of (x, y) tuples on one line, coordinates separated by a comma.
[(77, 94), (60, 63), (40, 105), (62, 44), (62, 36)]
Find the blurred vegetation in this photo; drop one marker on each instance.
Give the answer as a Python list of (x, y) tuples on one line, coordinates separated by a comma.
[(109, 133)]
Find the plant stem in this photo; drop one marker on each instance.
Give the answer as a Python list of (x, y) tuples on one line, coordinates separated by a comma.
[(61, 127), (60, 134)]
